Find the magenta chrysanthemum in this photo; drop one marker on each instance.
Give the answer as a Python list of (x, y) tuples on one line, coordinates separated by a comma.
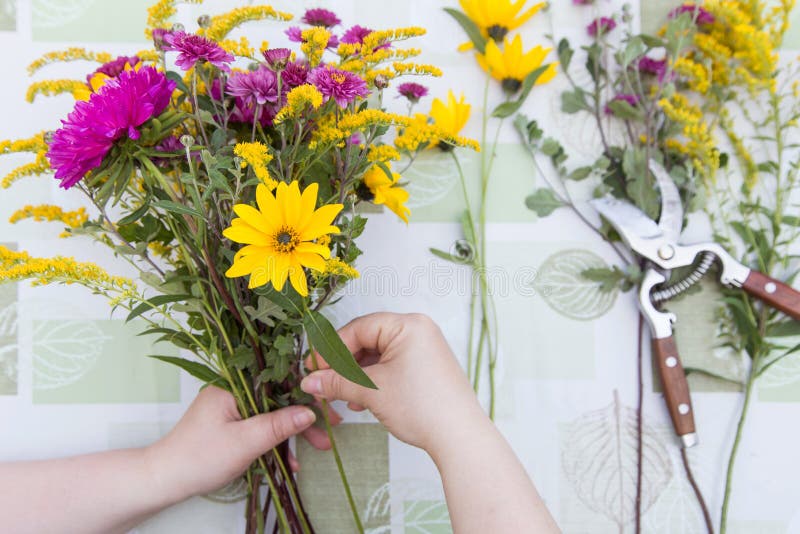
[(123, 104), (355, 34), (342, 86), (192, 48), (295, 74), (257, 87), (657, 67), (601, 26), (412, 91), (701, 16), (632, 100), (294, 33), (321, 17), (277, 58)]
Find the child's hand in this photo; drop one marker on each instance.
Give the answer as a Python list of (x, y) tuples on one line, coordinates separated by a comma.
[(211, 444), (423, 395)]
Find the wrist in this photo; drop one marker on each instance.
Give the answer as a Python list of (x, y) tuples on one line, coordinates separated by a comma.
[(166, 489), (448, 439)]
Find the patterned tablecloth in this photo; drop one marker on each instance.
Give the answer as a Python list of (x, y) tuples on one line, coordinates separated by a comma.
[(74, 379)]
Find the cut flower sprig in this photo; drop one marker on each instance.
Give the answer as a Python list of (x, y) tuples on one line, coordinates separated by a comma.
[(231, 178)]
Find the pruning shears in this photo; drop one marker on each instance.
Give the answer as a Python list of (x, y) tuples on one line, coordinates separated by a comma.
[(659, 244)]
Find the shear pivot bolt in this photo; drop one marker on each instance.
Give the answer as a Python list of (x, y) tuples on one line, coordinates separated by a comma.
[(672, 361), (666, 252), (770, 287), (683, 409)]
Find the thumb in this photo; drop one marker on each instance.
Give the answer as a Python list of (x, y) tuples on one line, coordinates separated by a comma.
[(330, 385), (263, 432)]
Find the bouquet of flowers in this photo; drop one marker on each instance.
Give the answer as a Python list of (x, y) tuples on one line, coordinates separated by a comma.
[(231, 181)]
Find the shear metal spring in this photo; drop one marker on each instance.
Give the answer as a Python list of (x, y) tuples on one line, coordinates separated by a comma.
[(673, 290)]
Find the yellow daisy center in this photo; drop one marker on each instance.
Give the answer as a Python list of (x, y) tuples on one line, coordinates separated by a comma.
[(497, 32), (286, 239)]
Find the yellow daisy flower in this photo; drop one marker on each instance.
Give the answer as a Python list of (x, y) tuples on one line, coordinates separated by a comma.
[(279, 236), (385, 191), (450, 117), (511, 64), (496, 18)]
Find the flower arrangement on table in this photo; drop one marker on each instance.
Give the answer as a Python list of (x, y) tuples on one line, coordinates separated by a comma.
[(231, 182), (687, 97)]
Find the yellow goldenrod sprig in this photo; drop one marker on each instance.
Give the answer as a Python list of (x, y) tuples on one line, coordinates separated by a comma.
[(50, 213), (40, 166), (34, 143), (257, 157), (298, 100), (222, 25), (315, 41), (77, 88), (158, 15), (74, 53)]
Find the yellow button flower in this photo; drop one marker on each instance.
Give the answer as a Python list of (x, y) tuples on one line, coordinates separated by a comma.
[(279, 236), (386, 191), (511, 64)]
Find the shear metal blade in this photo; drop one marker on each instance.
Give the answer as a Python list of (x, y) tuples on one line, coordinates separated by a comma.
[(671, 219), (631, 222)]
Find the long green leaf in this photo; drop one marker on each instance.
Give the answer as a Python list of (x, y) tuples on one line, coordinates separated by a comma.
[(327, 342), (155, 302), (470, 28), (508, 108), (168, 205), (196, 369)]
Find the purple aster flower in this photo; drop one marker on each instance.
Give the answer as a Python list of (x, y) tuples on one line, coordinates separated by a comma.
[(355, 34), (601, 26), (113, 68), (321, 17), (295, 34), (277, 58), (333, 42), (257, 87), (158, 37), (295, 74), (193, 48), (412, 91), (123, 104), (657, 67), (632, 100), (342, 86), (701, 16), (170, 145)]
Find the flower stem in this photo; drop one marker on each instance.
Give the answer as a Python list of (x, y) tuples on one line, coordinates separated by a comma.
[(751, 378)]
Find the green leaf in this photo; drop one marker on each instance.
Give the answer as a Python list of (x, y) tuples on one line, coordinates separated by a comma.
[(543, 202), (565, 53), (137, 214), (468, 227), (507, 109), (174, 207), (445, 255), (469, 27), (550, 147), (288, 299), (155, 302), (784, 329), (196, 369), (581, 173), (623, 110), (574, 101), (634, 49), (326, 341)]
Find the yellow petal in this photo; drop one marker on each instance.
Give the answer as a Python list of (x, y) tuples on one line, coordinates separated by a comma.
[(313, 248), (290, 205), (244, 265), (255, 218), (320, 221), (310, 260), (298, 279), (308, 201), (266, 202), (279, 270), (246, 234)]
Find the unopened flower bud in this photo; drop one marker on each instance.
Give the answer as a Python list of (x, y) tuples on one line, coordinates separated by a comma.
[(381, 82), (187, 140), (204, 21), (178, 27)]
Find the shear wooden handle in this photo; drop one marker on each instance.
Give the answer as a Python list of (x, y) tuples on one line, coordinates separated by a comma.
[(773, 292), (676, 389)]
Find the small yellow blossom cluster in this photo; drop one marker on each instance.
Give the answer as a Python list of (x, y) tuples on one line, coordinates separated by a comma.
[(77, 88), (694, 73), (315, 41), (18, 266), (338, 268), (257, 157), (698, 143), (158, 15), (70, 54), (297, 101), (378, 38), (160, 249), (240, 48), (743, 155), (46, 212), (222, 25), (382, 153), (40, 165)]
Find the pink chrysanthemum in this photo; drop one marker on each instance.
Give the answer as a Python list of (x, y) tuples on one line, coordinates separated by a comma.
[(257, 87), (342, 86), (295, 74), (601, 26), (123, 104), (412, 91), (657, 67), (192, 48), (277, 58), (294, 33), (355, 34), (701, 16), (321, 17)]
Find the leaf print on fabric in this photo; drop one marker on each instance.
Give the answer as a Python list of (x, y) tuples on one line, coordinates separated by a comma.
[(599, 460), (63, 351), (563, 287)]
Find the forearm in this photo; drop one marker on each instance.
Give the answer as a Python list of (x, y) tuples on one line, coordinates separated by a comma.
[(96, 493), (486, 487)]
